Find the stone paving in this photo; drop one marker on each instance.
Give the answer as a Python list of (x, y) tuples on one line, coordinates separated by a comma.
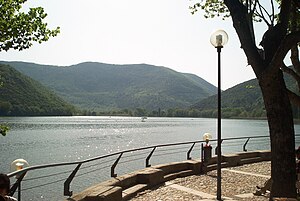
[(238, 183)]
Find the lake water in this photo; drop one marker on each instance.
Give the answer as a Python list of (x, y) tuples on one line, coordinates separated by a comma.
[(42, 140)]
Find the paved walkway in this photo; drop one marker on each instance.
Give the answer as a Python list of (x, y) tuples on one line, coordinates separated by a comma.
[(238, 183), (206, 196)]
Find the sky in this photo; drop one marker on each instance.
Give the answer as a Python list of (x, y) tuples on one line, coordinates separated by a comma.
[(157, 32)]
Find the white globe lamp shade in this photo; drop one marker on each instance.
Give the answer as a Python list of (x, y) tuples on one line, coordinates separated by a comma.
[(219, 38), (207, 137), (17, 165)]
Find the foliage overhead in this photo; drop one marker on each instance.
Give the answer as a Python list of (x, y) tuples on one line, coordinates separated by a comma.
[(3, 130), (18, 29), (282, 34), (212, 8)]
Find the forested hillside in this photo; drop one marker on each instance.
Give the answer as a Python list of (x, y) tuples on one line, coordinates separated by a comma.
[(22, 96), (106, 87), (243, 100)]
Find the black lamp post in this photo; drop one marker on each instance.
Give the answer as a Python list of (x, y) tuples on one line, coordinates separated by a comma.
[(218, 39)]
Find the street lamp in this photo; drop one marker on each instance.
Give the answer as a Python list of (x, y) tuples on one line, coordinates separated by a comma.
[(218, 39)]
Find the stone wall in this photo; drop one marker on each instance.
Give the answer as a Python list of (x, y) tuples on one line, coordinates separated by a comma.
[(126, 186)]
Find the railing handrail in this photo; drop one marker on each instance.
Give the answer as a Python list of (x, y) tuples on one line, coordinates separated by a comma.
[(118, 153), (21, 173)]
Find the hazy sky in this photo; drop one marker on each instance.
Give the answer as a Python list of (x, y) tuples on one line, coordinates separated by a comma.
[(158, 32)]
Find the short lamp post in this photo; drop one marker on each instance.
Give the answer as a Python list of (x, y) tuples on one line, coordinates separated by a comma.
[(207, 137), (207, 148), (218, 39), (17, 165)]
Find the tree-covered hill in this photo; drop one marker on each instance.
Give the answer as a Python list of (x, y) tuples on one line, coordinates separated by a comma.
[(22, 96), (100, 87), (242, 100)]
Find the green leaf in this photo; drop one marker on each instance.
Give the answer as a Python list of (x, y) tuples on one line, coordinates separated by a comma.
[(19, 29), (3, 130)]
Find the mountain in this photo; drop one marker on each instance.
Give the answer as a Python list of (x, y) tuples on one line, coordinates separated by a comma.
[(22, 96), (99, 86), (242, 100)]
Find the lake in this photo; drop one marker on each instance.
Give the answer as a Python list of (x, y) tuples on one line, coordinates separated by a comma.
[(41, 140)]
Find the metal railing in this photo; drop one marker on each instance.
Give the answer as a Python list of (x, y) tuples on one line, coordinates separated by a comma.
[(19, 175)]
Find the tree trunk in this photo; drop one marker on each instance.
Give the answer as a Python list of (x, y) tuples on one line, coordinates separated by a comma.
[(282, 135)]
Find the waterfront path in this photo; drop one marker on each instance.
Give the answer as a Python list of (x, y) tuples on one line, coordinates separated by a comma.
[(238, 183)]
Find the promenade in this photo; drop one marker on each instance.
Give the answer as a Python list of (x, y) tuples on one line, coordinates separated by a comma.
[(238, 183)]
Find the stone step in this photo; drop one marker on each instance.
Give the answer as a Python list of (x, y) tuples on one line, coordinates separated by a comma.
[(133, 191), (215, 166), (175, 175), (251, 160)]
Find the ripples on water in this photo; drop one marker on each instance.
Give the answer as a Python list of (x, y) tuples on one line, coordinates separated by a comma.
[(42, 140)]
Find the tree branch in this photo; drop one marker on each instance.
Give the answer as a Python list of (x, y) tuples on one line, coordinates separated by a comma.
[(294, 98), (295, 58), (262, 10), (260, 15), (284, 14), (273, 13), (239, 13), (252, 10), (291, 72), (287, 43), (293, 27)]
